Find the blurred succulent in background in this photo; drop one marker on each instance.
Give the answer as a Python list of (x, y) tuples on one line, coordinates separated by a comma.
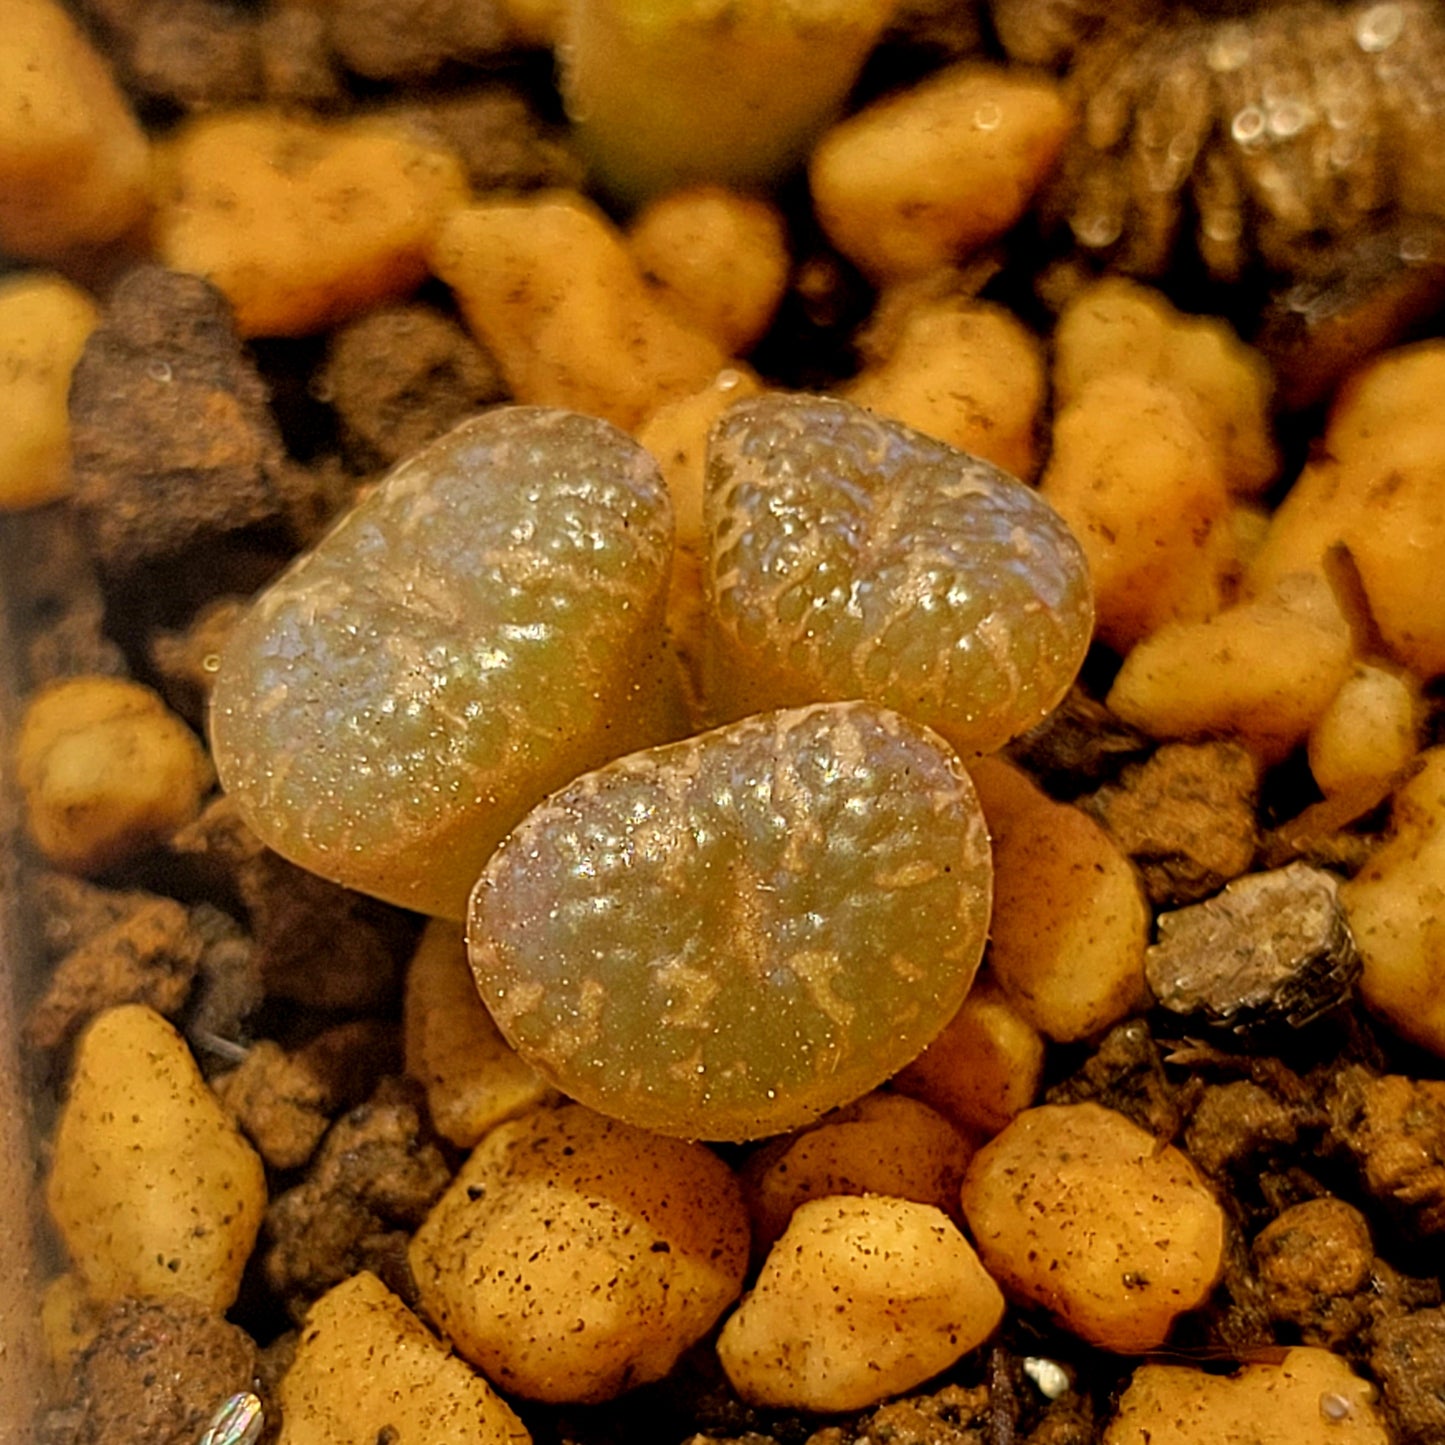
[(1245, 134)]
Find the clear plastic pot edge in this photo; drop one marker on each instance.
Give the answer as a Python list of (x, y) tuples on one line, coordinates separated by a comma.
[(23, 1367)]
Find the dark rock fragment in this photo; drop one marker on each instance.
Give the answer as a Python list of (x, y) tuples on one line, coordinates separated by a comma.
[(317, 494), (1272, 949), (1068, 1422), (412, 39), (171, 436), (500, 137), (1125, 1073), (370, 1185), (1409, 1359), (400, 376), (296, 63), (1234, 1124), (284, 1100), (281, 1105), (1078, 746), (196, 54), (156, 1372), (1186, 817), (70, 911), (1238, 1322), (1315, 1262), (54, 599), (952, 1416), (201, 54), (107, 946), (316, 943), (1394, 1128), (148, 955)]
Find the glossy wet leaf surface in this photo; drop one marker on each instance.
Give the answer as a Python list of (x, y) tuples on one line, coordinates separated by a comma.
[(851, 556), (479, 630), (725, 937)]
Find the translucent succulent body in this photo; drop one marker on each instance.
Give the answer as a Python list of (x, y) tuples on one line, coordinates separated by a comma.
[(483, 627), (850, 556), (725, 937)]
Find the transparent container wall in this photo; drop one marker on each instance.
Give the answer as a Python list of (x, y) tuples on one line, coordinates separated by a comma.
[(22, 1362)]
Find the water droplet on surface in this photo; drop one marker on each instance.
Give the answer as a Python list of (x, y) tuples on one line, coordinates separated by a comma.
[(1248, 125), (1229, 50), (1414, 247), (1097, 228), (1379, 28), (1288, 118)]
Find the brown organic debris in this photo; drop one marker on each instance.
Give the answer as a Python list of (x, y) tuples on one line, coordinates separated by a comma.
[(371, 1183), (285, 1100), (316, 943), (155, 1372), (1186, 817), (1394, 1127), (172, 439)]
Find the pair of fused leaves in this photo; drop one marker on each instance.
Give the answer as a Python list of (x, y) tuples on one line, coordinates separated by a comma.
[(722, 936)]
